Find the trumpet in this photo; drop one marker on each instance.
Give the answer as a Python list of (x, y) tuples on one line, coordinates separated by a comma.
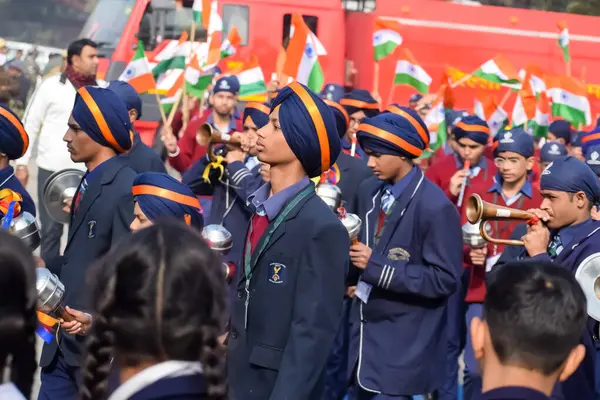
[(209, 136), (479, 210)]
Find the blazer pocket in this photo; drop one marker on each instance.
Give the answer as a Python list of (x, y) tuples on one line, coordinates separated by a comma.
[(266, 356)]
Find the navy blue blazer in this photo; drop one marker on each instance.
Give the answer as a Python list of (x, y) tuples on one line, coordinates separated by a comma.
[(187, 387), (104, 216), (142, 158), (8, 181), (228, 206), (353, 171), (292, 321), (399, 340), (512, 393)]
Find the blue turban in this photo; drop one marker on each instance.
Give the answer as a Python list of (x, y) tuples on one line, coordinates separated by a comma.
[(229, 84), (472, 127), (415, 98), (399, 132), (342, 119), (14, 141), (452, 117), (589, 140), (517, 141), (561, 129), (552, 150), (360, 100), (592, 159), (309, 128), (162, 196), (128, 94), (258, 113), (568, 174), (333, 92), (103, 116)]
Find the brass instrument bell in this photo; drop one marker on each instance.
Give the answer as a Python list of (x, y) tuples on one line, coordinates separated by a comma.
[(588, 276), (208, 136)]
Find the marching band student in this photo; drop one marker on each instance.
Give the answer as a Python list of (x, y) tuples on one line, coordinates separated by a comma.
[(291, 287), (567, 235), (101, 212), (551, 151), (359, 104), (528, 339), (512, 188), (449, 148), (18, 320), (411, 266), (240, 178), (158, 300), (560, 131), (14, 142), (141, 157), (471, 134), (590, 139), (159, 196)]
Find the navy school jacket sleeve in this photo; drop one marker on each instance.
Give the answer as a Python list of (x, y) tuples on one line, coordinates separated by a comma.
[(193, 178), (243, 181), (317, 313), (122, 219), (437, 276)]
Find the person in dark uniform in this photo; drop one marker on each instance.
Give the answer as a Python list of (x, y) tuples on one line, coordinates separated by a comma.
[(232, 182), (291, 286), (359, 104), (157, 302), (410, 266), (141, 158), (101, 212), (14, 142), (528, 339), (160, 196)]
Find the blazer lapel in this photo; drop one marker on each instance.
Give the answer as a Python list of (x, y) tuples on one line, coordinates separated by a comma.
[(90, 196), (372, 215)]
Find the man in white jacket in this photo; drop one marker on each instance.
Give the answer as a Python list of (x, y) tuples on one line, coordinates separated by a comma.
[(47, 116)]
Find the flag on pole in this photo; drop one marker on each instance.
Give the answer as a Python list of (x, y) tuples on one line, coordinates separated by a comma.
[(201, 12), (197, 79), (525, 105), (499, 70), (386, 37), (215, 23), (167, 103), (538, 126), (563, 39), (487, 109), (252, 80), (138, 73), (536, 78), (231, 43), (409, 72), (435, 121), (302, 61), (172, 57), (569, 100)]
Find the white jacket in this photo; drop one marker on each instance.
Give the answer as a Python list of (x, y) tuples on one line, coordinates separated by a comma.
[(47, 116)]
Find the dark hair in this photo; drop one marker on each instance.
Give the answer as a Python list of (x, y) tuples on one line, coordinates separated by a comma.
[(536, 313), (76, 47), (18, 318), (159, 295)]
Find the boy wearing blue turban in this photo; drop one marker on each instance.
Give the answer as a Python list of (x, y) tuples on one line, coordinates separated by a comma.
[(14, 142), (411, 259), (101, 212), (567, 235), (359, 104), (291, 284)]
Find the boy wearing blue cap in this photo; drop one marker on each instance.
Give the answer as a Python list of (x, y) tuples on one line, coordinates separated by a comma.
[(101, 212), (291, 287), (359, 104), (551, 151), (141, 157), (410, 266)]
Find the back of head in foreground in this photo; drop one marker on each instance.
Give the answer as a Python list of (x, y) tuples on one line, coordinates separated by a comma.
[(158, 296), (533, 317)]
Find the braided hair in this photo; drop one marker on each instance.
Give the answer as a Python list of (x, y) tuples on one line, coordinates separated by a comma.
[(158, 296), (18, 318)]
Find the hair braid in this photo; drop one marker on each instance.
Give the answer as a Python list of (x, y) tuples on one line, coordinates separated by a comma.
[(211, 356)]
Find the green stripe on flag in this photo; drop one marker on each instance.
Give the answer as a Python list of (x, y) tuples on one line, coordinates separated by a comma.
[(574, 116), (384, 49), (177, 62), (494, 78), (316, 78), (257, 87), (406, 79)]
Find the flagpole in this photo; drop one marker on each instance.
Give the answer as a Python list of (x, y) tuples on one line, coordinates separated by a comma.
[(174, 109), (163, 116), (505, 98), (185, 112), (376, 78)]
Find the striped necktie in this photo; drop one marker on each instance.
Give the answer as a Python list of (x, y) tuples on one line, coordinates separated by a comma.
[(82, 189), (387, 200), (555, 247)]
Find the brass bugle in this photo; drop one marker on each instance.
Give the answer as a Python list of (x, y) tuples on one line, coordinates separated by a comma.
[(207, 135), (479, 210)]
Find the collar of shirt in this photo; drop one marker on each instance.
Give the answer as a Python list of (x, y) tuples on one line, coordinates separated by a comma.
[(447, 148), (398, 188), (526, 189), (251, 162), (96, 173), (568, 233), (231, 127), (514, 392), (5, 174), (271, 206)]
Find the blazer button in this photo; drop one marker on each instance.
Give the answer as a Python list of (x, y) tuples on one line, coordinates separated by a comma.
[(234, 335), (240, 294)]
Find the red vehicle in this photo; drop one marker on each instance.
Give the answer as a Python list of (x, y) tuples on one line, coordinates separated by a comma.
[(438, 33)]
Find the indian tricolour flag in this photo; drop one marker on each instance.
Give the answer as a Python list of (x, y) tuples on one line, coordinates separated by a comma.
[(201, 11), (386, 37), (487, 109), (409, 72), (563, 39), (436, 124), (138, 73), (231, 43), (536, 78), (172, 57), (525, 105), (252, 80), (197, 79), (167, 103), (538, 126), (302, 61), (499, 70), (569, 100)]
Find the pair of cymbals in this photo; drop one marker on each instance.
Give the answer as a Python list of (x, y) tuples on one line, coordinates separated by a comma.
[(61, 186)]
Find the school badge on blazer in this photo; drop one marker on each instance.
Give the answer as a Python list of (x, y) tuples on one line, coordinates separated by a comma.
[(277, 273), (91, 229), (398, 254)]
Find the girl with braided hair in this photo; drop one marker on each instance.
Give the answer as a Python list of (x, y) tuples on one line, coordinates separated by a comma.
[(18, 318), (158, 301)]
